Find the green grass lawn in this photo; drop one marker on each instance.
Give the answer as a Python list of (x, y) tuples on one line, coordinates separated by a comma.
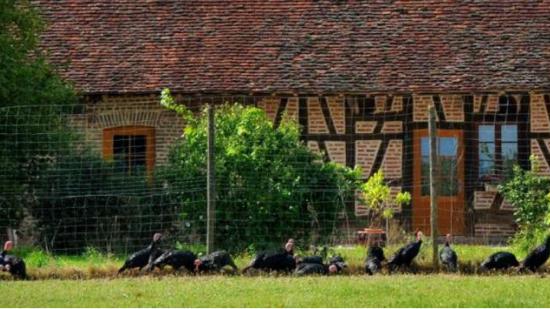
[(340, 291), (103, 288)]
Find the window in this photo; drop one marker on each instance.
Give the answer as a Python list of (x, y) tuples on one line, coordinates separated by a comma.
[(131, 148), (129, 153), (497, 150), (486, 135), (447, 159), (509, 145)]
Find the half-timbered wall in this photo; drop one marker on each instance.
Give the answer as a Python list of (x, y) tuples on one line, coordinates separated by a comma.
[(374, 132), (540, 130), (487, 213), (351, 130), (377, 134), (493, 214)]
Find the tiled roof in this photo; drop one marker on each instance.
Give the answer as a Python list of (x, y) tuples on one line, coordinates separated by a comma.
[(300, 46)]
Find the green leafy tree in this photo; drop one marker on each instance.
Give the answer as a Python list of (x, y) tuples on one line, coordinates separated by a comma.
[(32, 101), (270, 186)]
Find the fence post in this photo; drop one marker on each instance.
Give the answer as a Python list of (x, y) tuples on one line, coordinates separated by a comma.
[(433, 188), (211, 182)]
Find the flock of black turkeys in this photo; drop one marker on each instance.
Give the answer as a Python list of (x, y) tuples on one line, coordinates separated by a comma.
[(284, 260)]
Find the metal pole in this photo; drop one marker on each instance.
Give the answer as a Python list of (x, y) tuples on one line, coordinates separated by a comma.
[(211, 182), (433, 188)]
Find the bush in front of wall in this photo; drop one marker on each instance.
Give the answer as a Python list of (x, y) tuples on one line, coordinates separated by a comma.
[(270, 186), (528, 191)]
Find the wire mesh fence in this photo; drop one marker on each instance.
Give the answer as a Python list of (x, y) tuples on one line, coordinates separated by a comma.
[(109, 175)]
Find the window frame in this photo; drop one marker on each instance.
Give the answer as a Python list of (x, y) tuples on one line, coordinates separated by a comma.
[(498, 161), (148, 132)]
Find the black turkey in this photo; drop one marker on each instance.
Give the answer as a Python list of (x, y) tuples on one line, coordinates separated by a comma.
[(175, 259), (12, 264), (145, 256), (405, 255), (499, 261), (537, 257), (303, 269), (319, 255), (278, 260), (375, 257), (447, 256), (338, 261), (314, 259), (314, 265), (214, 262)]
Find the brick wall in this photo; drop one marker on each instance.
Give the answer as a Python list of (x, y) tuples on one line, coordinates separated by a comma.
[(336, 151), (420, 107), (453, 107), (314, 146), (392, 164), (544, 168), (316, 120), (492, 104), (365, 126), (540, 123), (397, 104), (365, 154), (539, 116), (292, 109), (392, 127), (118, 111), (337, 113), (270, 105), (483, 199)]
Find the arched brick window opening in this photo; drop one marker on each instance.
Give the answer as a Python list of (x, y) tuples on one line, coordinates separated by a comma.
[(132, 148), (507, 105)]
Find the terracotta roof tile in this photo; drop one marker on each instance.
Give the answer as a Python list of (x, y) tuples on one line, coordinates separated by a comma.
[(299, 46)]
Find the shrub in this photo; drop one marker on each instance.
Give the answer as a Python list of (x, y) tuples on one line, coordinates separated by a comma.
[(527, 190), (270, 186), (83, 201), (376, 196)]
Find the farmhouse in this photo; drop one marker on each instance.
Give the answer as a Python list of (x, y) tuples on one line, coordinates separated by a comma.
[(358, 76)]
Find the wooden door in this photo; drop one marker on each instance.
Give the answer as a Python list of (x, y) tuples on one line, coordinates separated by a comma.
[(449, 181)]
